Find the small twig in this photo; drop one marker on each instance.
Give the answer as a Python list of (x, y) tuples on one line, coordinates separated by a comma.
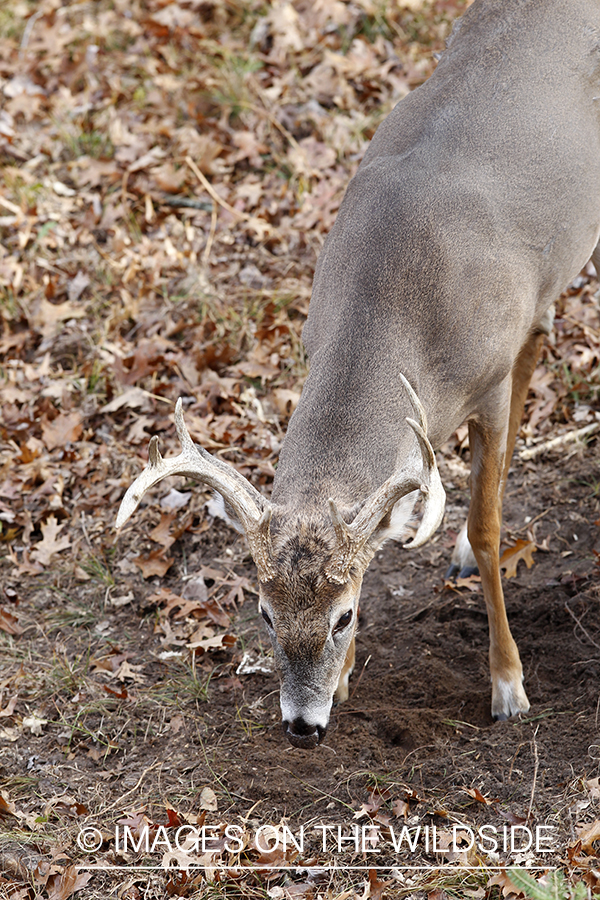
[(211, 236), (187, 202), (275, 121), (512, 762), (559, 441), (12, 207), (536, 765), (159, 762), (84, 529), (587, 329), (211, 191), (578, 622), (538, 517), (27, 32)]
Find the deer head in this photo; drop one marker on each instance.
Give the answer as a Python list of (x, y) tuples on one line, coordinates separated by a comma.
[(310, 570)]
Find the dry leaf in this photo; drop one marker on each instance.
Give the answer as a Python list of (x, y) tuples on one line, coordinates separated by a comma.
[(9, 622), (476, 794), (218, 642), (7, 807), (34, 723), (62, 430), (10, 707), (48, 317), (401, 809), (593, 786), (286, 401), (502, 879), (168, 178), (161, 533), (588, 834), (154, 564), (51, 543), (132, 398), (176, 724), (127, 671), (377, 887), (471, 583), (66, 883), (77, 286), (208, 800), (510, 558)]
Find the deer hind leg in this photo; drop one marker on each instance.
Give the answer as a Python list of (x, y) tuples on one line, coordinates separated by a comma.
[(342, 690), (463, 561), (521, 376)]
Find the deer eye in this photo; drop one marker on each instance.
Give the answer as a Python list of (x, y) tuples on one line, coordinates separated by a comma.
[(343, 621), (266, 617)]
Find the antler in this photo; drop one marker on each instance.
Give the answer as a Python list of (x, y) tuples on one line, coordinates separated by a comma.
[(251, 508), (352, 537)]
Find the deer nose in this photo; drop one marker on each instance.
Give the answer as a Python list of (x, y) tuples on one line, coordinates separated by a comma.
[(300, 734)]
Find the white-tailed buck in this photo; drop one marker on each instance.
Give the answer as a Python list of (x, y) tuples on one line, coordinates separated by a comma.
[(476, 204)]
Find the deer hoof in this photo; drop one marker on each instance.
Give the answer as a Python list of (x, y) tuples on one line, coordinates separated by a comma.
[(508, 699)]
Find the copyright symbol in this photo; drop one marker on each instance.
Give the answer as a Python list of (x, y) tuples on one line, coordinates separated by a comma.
[(89, 839)]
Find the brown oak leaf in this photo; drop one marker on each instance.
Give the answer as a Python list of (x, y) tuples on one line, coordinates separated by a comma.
[(510, 558), (51, 542), (66, 428), (154, 564), (588, 834)]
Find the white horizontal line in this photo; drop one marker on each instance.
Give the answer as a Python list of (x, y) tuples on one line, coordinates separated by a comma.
[(317, 868)]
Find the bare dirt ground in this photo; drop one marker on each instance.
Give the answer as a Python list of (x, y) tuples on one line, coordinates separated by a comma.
[(169, 172)]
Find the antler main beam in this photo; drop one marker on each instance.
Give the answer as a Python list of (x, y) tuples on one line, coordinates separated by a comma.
[(250, 507)]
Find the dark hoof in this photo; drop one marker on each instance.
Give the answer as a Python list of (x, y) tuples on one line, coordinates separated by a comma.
[(452, 571), (468, 571), (501, 717), (300, 734)]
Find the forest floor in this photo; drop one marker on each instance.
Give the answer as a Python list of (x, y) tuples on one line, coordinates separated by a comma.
[(170, 170)]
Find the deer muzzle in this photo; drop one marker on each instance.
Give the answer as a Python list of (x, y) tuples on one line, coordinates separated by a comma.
[(302, 734)]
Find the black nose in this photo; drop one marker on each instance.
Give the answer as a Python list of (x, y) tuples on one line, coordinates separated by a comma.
[(300, 734)]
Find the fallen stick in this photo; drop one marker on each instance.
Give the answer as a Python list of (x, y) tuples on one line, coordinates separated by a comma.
[(566, 438)]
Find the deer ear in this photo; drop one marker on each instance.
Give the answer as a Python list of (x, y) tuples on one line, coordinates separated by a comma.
[(393, 525), (219, 509)]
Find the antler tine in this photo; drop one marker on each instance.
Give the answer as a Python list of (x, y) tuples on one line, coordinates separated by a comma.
[(416, 403), (253, 511), (433, 491), (352, 537)]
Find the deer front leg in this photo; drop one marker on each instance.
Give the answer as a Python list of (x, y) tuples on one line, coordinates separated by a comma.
[(342, 690), (488, 449)]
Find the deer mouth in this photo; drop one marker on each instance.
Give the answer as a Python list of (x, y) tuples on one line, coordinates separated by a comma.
[(303, 735)]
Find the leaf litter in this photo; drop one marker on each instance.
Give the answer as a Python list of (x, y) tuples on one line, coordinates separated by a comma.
[(170, 171)]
